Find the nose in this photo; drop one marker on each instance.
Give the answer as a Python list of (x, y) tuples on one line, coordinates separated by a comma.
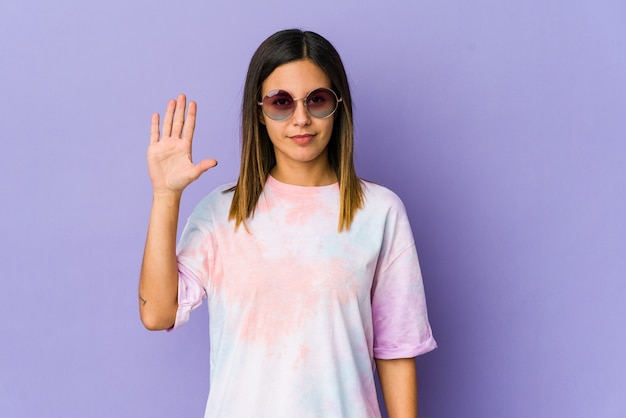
[(300, 115)]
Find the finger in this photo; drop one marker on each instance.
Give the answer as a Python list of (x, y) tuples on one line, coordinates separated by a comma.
[(190, 121), (154, 128), (167, 118), (203, 166), (179, 116)]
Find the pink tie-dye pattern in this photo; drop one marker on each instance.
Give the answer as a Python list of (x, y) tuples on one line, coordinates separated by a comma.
[(297, 300)]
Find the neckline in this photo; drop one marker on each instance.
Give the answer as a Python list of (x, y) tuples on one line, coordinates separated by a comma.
[(293, 188)]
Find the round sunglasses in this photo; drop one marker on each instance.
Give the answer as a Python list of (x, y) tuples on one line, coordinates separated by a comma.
[(320, 103)]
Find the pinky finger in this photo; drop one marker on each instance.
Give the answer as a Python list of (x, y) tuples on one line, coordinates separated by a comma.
[(154, 128)]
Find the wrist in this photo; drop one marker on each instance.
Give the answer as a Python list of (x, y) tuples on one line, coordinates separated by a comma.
[(167, 196)]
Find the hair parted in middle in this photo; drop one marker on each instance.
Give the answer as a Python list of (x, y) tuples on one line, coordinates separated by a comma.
[(257, 151)]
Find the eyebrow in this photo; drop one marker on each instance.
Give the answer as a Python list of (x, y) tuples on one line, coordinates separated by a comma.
[(276, 91)]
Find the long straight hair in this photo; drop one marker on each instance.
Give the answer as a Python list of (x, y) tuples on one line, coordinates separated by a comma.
[(257, 151)]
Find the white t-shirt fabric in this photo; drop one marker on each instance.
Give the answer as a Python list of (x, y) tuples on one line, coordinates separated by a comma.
[(298, 310)]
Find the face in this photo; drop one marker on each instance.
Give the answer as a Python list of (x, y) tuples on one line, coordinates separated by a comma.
[(300, 141)]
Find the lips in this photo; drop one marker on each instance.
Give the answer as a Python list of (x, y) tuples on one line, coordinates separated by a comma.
[(302, 139)]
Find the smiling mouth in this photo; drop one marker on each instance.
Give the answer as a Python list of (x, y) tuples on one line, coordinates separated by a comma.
[(302, 139)]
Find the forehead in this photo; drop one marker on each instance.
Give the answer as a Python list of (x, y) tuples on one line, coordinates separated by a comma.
[(296, 77)]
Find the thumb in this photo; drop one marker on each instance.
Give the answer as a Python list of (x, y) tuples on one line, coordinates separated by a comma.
[(204, 165)]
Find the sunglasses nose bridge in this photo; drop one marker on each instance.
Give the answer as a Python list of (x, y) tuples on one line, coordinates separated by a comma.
[(300, 113), (305, 111)]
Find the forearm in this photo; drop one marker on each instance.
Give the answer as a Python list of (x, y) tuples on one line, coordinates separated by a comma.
[(158, 281), (398, 381)]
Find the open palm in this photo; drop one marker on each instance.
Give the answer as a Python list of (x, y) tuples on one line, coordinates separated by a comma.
[(169, 154)]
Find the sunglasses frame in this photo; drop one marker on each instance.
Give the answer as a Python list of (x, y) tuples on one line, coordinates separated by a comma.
[(293, 109)]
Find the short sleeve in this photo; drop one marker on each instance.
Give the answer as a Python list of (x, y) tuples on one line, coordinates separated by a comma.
[(194, 255), (399, 313)]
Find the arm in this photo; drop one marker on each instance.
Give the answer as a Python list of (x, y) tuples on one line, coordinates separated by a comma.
[(171, 170), (398, 381), (158, 281)]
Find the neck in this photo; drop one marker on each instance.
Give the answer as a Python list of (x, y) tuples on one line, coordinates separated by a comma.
[(313, 175)]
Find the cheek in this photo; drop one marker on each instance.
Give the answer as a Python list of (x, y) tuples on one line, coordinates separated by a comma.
[(328, 126), (273, 131)]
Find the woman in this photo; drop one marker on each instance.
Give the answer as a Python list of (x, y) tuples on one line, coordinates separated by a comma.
[(310, 274)]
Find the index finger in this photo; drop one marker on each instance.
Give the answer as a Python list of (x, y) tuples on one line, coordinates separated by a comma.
[(190, 121)]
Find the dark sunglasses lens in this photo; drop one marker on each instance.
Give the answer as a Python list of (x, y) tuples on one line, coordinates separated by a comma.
[(321, 103), (278, 105)]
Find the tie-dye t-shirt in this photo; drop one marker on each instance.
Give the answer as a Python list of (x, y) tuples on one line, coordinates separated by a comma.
[(297, 310)]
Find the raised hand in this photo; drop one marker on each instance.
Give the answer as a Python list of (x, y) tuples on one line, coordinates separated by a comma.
[(169, 154)]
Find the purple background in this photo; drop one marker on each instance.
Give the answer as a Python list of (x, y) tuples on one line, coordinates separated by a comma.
[(502, 125)]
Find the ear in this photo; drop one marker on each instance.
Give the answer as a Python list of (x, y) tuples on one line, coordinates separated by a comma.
[(262, 118)]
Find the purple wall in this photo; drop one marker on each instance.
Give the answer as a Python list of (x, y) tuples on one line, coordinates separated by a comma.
[(501, 124)]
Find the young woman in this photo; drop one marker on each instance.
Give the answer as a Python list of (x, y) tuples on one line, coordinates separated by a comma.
[(310, 274)]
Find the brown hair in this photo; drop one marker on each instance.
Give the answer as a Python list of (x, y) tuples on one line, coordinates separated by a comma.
[(257, 151)]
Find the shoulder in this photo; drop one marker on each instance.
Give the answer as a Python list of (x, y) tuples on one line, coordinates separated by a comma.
[(220, 193), (386, 206), (381, 197), (218, 200)]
